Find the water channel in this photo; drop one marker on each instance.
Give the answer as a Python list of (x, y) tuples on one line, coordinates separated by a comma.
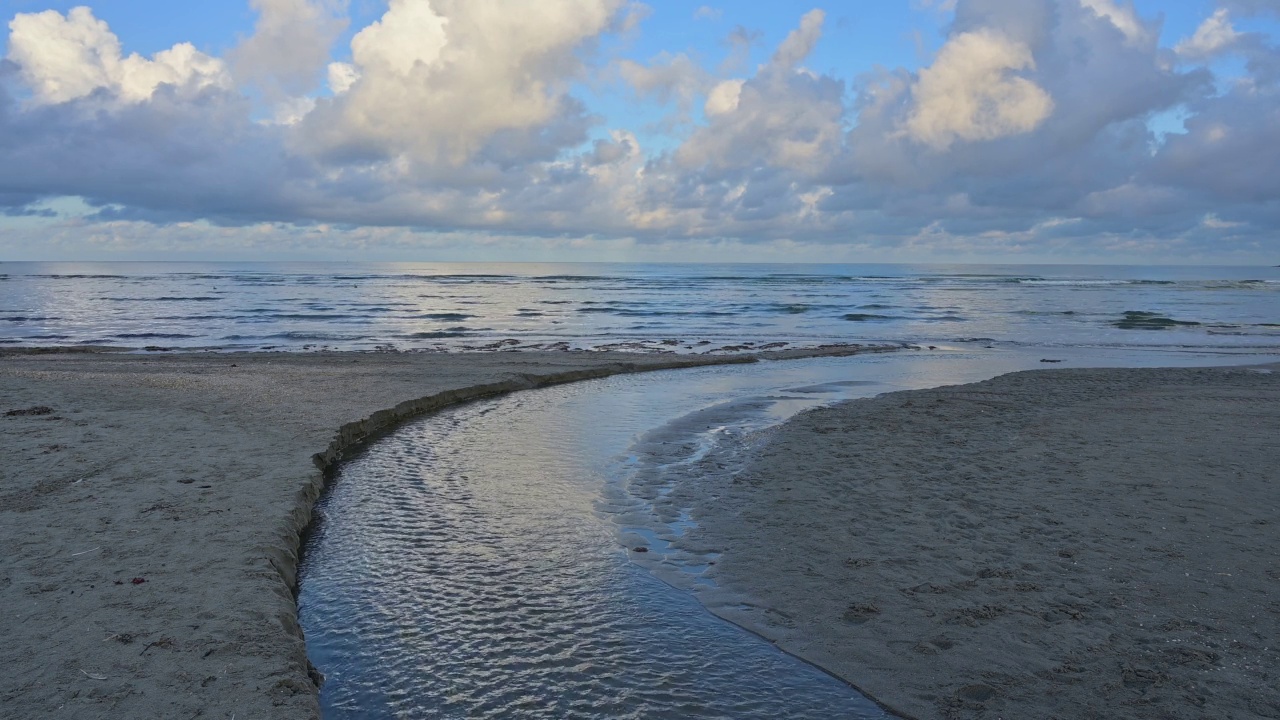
[(478, 563)]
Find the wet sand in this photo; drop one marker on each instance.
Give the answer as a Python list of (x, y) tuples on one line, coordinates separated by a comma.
[(151, 507), (1047, 544)]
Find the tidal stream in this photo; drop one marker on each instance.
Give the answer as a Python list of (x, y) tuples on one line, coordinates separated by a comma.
[(478, 563)]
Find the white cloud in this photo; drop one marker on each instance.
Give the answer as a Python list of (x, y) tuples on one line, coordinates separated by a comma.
[(1214, 35), (291, 111), (1124, 18), (668, 78), (409, 34), (800, 42), (1030, 129), (723, 98), (439, 81), (67, 57), (783, 118), (342, 76), (289, 47), (970, 94)]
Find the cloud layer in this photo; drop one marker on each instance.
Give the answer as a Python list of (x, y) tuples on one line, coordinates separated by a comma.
[(1035, 131)]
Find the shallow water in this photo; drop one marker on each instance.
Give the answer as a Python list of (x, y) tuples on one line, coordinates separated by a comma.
[(478, 562)]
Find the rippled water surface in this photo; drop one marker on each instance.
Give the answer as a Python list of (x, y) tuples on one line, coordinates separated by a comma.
[(464, 569), (681, 308), (475, 564)]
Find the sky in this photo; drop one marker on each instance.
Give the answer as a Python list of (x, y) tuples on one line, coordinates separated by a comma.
[(1090, 131)]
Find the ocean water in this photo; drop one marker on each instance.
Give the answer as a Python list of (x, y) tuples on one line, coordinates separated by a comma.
[(658, 308)]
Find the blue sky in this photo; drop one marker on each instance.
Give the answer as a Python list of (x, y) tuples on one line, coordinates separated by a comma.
[(860, 34), (1021, 130), (877, 32)]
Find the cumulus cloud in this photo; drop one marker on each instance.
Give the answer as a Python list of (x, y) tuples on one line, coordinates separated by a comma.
[(799, 42), (784, 118), (969, 92), (1214, 35), (669, 78), (438, 81), (1092, 140), (409, 34), (723, 98), (342, 76), (66, 57), (1124, 18), (289, 47), (1028, 129)]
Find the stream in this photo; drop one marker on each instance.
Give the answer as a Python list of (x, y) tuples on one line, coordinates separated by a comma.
[(479, 562)]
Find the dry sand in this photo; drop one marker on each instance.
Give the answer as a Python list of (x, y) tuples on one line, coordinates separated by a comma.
[(1047, 544), (150, 511)]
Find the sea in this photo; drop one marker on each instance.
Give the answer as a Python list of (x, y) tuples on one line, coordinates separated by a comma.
[(681, 308)]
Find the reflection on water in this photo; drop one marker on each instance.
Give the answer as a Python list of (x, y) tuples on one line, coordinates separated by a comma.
[(464, 567), (462, 570), (682, 308)]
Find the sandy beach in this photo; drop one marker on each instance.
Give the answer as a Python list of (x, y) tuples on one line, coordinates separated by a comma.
[(1046, 544), (245, 245), (1064, 543), (151, 506)]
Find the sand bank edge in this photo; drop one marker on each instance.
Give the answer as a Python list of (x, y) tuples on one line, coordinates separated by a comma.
[(286, 557)]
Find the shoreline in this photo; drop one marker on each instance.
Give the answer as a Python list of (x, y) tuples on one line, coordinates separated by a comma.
[(111, 626), (1047, 543)]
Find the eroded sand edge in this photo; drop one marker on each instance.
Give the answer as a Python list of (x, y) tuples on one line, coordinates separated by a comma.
[(151, 508)]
